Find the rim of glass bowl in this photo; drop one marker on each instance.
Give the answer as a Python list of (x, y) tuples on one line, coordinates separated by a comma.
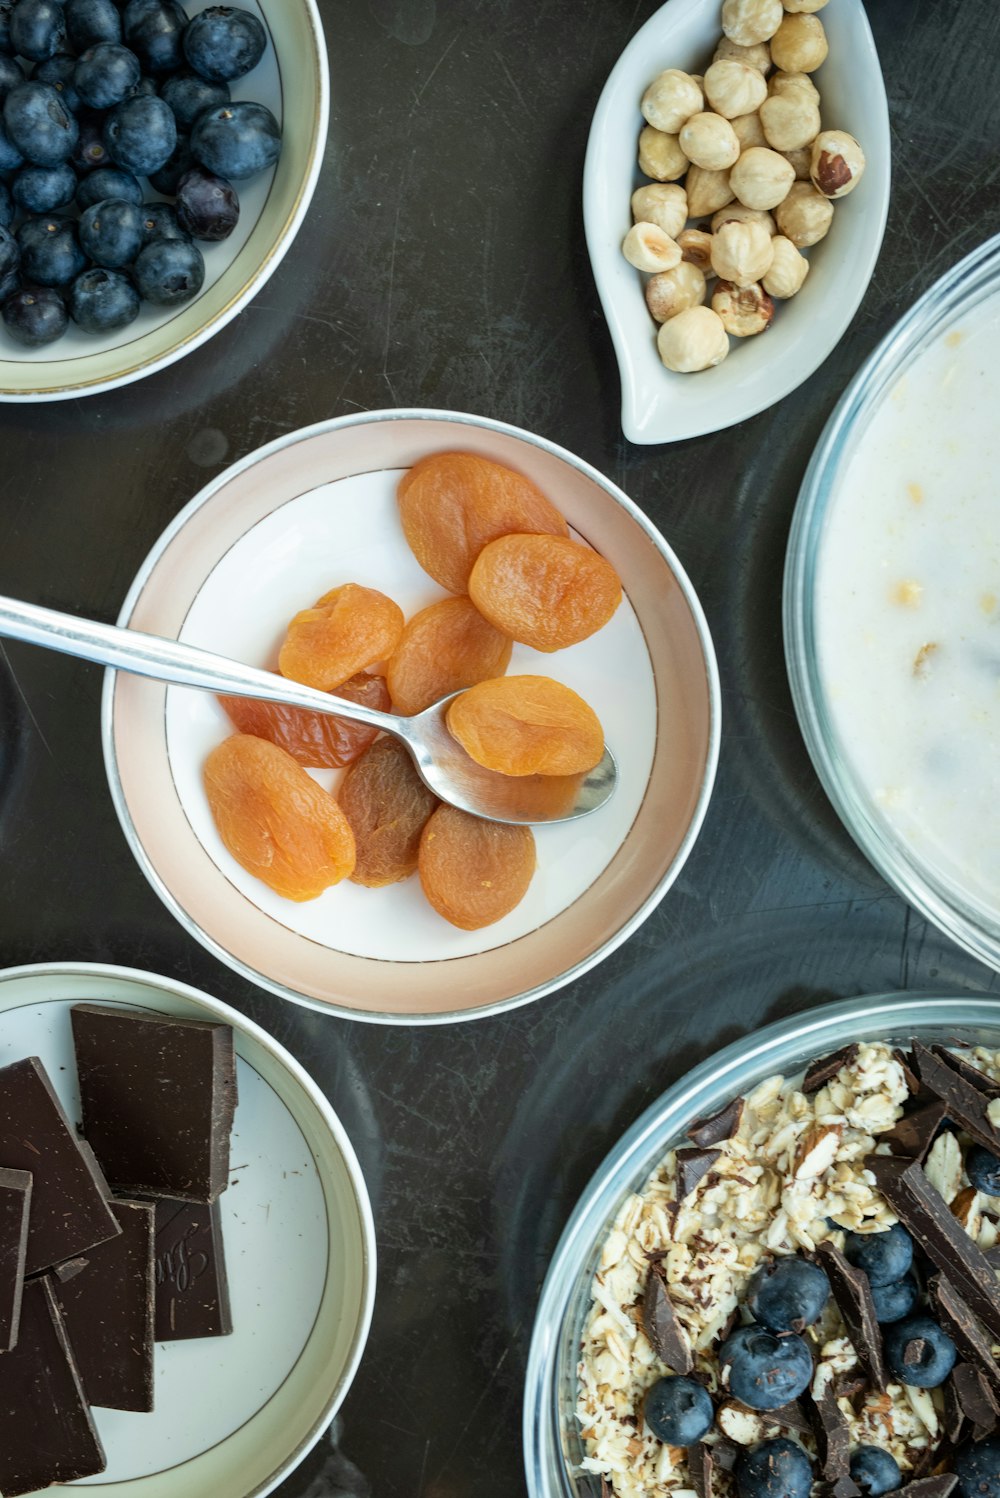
[(959, 290), (549, 1425)]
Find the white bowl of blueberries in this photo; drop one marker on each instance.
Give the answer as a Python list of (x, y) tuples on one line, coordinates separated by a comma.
[(151, 178)]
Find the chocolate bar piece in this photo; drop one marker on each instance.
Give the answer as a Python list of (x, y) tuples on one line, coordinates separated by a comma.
[(914, 1133), (928, 1487), (975, 1399), (660, 1323), (47, 1434), (701, 1466), (845, 1487), (972, 1074), (827, 1067), (693, 1166), (69, 1209), (791, 1417), (158, 1096), (833, 1437), (962, 1327), (966, 1103), (107, 1307), (15, 1200), (717, 1127), (853, 1295), (192, 1292)]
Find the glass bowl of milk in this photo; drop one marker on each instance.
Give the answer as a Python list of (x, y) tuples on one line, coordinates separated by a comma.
[(892, 605)]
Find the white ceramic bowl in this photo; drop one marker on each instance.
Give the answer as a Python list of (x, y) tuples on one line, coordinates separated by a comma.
[(657, 404), (292, 80), (233, 1415), (315, 509)]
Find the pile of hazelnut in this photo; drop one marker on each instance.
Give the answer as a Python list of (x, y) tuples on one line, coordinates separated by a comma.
[(743, 147)]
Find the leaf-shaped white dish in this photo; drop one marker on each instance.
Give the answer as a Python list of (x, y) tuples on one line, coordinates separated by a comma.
[(658, 405)]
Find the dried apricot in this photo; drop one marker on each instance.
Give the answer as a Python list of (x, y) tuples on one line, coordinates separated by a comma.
[(442, 649), (527, 725), (314, 739), (474, 872), (545, 591), (387, 805), (275, 820), (452, 504), (345, 631)]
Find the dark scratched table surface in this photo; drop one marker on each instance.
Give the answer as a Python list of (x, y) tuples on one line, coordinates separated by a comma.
[(443, 264)]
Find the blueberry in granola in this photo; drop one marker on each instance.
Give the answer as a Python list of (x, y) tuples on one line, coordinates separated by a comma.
[(787, 1294), (774, 1469), (977, 1466), (983, 1170), (765, 1371), (919, 1352), (679, 1410), (893, 1302), (875, 1471), (884, 1257)]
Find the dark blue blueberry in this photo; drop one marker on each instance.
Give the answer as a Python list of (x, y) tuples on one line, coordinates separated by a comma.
[(108, 182), (106, 74), (918, 1352), (154, 30), (6, 7), (140, 135), (207, 206), (10, 75), (169, 271), (159, 221), (875, 1471), (36, 315), (679, 1410), (50, 250), (774, 1469), (9, 284), (111, 233), (983, 1169), (58, 72), (236, 140), (6, 207), (10, 156), (38, 29), (766, 1371), (977, 1467), (42, 189), (10, 254), (91, 21), (171, 172), (39, 124), (884, 1257), (893, 1302), (189, 96), (90, 151), (103, 300), (224, 42), (787, 1295), (145, 89)]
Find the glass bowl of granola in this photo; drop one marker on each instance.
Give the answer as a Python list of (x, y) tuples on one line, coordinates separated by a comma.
[(816, 1126)]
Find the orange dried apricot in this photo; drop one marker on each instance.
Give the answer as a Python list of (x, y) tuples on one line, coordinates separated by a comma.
[(474, 872), (345, 631), (452, 504), (275, 820), (545, 591), (315, 740), (442, 649), (387, 805), (527, 725)]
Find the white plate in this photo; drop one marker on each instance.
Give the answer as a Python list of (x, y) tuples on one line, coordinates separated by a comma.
[(233, 1415), (657, 404)]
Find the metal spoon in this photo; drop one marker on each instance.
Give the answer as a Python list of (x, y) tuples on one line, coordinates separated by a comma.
[(440, 759)]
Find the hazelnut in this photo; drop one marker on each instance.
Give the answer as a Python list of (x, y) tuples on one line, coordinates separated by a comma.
[(736, 213), (789, 121), (784, 83), (671, 99), (761, 178), (801, 162), (694, 339), (804, 216), (709, 141), (748, 22), (749, 131), (836, 164), (742, 310), (706, 191), (734, 88), (788, 269), (741, 253), (647, 248), (799, 45), (696, 249), (660, 155), (673, 291), (664, 204), (803, 7), (758, 56)]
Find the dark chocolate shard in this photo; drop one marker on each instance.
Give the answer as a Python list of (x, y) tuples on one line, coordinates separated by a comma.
[(961, 1325), (693, 1166), (974, 1075), (966, 1104), (853, 1295), (926, 1217), (69, 1209), (849, 1385), (954, 1412), (158, 1100), (725, 1453), (47, 1433), (914, 1133), (992, 1256), (70, 1268), (108, 1311), (701, 1465), (976, 1399), (192, 1291), (660, 1323), (833, 1437), (717, 1127), (791, 1416), (15, 1202), (827, 1067), (910, 1077), (928, 1487), (845, 1487)]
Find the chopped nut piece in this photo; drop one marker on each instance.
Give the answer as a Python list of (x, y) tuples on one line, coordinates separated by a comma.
[(647, 248), (741, 1425), (817, 1151), (743, 310)]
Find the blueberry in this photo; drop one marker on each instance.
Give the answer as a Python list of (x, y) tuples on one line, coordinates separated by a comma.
[(36, 315), (10, 156), (977, 1467), (207, 206), (159, 221), (108, 182), (893, 1302), (189, 96), (169, 271), (39, 124), (91, 21), (679, 1410), (106, 74), (983, 1169), (774, 1469), (787, 1295), (223, 43), (884, 1257), (10, 75), (766, 1371), (38, 29), (236, 140), (875, 1471), (6, 7), (102, 300), (172, 170), (140, 134), (10, 254), (6, 207), (111, 233), (919, 1352), (90, 151), (42, 189), (153, 29), (58, 71), (145, 89), (50, 250)]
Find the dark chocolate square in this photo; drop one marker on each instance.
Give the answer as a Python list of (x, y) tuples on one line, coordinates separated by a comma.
[(15, 1201), (192, 1290)]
